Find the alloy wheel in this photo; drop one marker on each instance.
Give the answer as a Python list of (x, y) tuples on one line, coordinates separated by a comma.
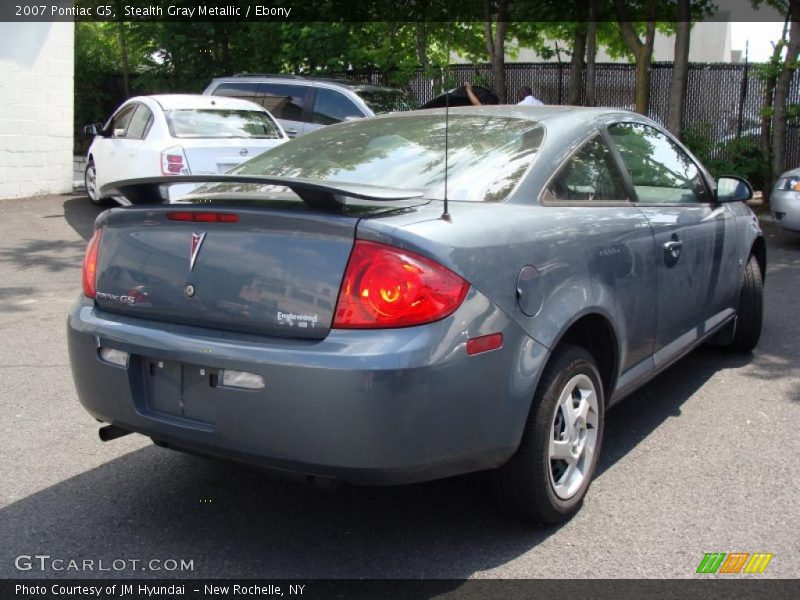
[(573, 436)]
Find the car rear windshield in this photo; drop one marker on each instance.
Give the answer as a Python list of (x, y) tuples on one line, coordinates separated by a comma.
[(486, 156), (386, 101), (219, 123)]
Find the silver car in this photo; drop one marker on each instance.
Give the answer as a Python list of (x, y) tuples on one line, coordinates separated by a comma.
[(785, 200), (303, 104), (417, 295)]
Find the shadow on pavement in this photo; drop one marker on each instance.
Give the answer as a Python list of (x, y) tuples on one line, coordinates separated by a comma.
[(15, 299), (636, 417), (238, 522), (51, 255), (54, 253), (80, 214)]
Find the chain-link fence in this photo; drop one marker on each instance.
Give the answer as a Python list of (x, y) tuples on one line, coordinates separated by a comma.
[(723, 100)]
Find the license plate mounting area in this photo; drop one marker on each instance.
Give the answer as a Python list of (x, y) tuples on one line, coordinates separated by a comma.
[(180, 390)]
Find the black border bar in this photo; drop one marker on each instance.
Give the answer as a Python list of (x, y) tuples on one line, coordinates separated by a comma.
[(739, 587), (333, 10)]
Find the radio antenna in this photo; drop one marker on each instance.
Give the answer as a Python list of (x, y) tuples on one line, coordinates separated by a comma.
[(446, 214)]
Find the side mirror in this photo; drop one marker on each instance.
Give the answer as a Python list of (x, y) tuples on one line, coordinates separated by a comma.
[(733, 189), (93, 129)]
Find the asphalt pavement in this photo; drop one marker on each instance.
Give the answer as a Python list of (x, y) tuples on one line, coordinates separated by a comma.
[(703, 459)]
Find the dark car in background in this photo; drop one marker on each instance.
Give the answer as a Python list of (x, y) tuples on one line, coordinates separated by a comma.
[(303, 104), (418, 295)]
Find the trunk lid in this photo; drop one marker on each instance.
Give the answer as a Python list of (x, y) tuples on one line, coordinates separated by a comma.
[(274, 272), (216, 156), (213, 156)]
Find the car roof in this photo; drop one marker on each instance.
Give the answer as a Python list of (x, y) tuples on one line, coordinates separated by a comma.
[(188, 101), (355, 86), (576, 115)]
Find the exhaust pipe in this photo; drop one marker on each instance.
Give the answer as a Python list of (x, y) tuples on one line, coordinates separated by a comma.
[(111, 432)]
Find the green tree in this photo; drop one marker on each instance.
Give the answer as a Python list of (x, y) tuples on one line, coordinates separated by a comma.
[(97, 67), (780, 105)]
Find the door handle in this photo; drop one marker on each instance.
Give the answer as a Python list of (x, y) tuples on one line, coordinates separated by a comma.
[(673, 249), (291, 132)]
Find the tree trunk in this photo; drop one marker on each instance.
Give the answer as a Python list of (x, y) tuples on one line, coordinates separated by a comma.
[(576, 62), (226, 51), (422, 45), (642, 52), (123, 49), (641, 95), (495, 45), (390, 68), (782, 92), (769, 97), (591, 53), (680, 70)]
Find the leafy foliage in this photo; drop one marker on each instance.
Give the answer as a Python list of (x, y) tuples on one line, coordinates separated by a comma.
[(739, 155), (98, 83)]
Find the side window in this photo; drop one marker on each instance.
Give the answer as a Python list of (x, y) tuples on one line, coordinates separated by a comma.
[(139, 125), (239, 89), (285, 101), (589, 175), (119, 122), (332, 107), (662, 173)]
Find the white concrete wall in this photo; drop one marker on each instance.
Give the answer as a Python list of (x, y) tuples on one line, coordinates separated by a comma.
[(36, 102), (708, 42)]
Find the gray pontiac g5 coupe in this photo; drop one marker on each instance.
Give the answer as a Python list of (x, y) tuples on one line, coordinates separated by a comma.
[(416, 296)]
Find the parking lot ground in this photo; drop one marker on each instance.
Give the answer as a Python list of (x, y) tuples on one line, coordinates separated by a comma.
[(703, 459)]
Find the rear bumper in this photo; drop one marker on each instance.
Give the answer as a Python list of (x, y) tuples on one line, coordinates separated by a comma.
[(367, 407)]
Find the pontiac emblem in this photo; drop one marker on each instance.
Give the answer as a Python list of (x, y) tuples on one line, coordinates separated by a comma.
[(197, 241)]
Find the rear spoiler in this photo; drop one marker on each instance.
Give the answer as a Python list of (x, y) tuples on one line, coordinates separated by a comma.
[(315, 193)]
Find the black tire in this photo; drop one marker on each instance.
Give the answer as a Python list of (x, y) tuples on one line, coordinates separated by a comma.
[(749, 314), (525, 486), (90, 182)]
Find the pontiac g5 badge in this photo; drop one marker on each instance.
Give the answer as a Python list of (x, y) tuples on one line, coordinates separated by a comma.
[(197, 241)]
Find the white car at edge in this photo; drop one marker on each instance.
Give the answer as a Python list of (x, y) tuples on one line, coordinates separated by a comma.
[(177, 134)]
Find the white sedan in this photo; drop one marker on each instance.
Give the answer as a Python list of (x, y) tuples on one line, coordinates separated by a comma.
[(177, 134)]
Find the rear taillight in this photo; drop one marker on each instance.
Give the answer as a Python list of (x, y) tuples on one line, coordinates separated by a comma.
[(90, 264), (387, 287), (173, 162)]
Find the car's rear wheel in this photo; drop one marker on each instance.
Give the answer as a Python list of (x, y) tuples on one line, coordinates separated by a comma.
[(90, 181), (546, 480), (749, 313)]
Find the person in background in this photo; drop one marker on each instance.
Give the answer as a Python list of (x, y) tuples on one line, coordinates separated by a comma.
[(525, 97), (471, 95)]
